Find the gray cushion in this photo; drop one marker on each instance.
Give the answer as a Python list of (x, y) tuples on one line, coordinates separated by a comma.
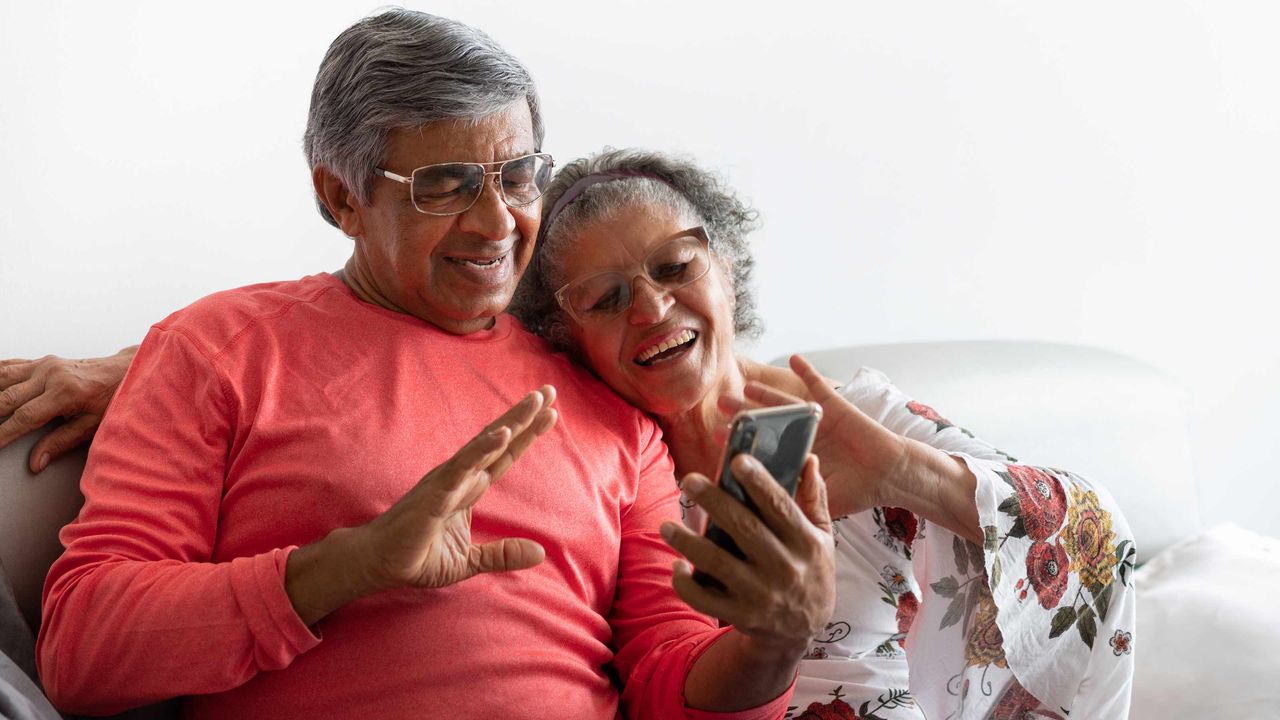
[(33, 508), (16, 641)]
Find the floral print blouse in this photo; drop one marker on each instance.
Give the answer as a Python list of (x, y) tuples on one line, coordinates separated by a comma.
[(1036, 623)]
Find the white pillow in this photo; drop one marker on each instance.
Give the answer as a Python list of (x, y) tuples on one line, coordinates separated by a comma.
[(1208, 640)]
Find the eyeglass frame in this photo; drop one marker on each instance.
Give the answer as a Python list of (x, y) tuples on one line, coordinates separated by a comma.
[(383, 172), (697, 231)]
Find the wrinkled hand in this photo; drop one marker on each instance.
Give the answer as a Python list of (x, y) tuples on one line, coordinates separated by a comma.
[(861, 459), (784, 592), (34, 392), (424, 540)]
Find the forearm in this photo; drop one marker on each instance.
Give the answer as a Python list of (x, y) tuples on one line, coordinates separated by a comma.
[(115, 629), (938, 487), (740, 673)]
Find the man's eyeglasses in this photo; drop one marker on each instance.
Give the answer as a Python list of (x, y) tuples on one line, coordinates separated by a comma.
[(452, 188), (670, 266)]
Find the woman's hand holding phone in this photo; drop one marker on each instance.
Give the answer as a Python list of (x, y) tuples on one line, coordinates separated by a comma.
[(782, 591)]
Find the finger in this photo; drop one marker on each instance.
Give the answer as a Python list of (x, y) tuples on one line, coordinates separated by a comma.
[(505, 555), (16, 395), (14, 361), (484, 448), (57, 443), (777, 509), (752, 535), (811, 495), (729, 404), (703, 599), (28, 417), (541, 423), (737, 576), (813, 380), (466, 464), (762, 394), (519, 415)]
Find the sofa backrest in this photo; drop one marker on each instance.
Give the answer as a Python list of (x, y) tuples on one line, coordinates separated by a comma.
[(1103, 415)]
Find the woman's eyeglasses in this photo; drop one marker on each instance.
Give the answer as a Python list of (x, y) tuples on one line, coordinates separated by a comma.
[(452, 188), (670, 266)]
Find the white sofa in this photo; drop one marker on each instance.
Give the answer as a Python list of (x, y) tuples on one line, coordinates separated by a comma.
[(1098, 413)]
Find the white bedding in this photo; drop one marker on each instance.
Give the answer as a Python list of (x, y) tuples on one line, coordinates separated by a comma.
[(1208, 640)]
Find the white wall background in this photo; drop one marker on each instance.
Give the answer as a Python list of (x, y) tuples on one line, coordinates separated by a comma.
[(1090, 172)]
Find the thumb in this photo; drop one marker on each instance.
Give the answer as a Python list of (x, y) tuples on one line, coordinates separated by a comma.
[(66, 437), (505, 555), (811, 495)]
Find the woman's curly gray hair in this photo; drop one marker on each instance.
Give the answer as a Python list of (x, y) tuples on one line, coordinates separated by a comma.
[(653, 178)]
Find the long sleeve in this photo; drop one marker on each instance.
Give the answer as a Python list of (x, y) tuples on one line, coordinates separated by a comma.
[(1041, 618), (135, 611), (656, 635)]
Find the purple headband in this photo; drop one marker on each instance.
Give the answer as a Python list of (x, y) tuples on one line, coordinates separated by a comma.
[(575, 191)]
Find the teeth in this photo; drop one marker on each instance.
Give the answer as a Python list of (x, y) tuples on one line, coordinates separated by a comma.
[(479, 263), (680, 339)]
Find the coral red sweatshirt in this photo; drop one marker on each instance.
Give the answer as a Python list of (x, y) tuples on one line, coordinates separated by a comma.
[(259, 419)]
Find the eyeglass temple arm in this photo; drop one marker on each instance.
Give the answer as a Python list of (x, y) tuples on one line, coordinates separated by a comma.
[(392, 176)]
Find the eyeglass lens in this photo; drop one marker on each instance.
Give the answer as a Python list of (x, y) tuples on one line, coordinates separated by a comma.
[(453, 187), (670, 266)]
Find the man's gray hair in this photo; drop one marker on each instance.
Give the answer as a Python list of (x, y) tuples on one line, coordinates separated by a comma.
[(404, 69), (654, 178)]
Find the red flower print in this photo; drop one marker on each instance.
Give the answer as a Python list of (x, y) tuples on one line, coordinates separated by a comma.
[(901, 524), (1041, 499), (1047, 571), (1121, 643), (928, 413), (1018, 704), (834, 710), (908, 605)]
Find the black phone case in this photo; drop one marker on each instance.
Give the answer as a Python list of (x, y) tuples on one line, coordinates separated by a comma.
[(780, 438)]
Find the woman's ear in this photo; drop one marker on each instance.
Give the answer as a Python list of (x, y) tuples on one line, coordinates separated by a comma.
[(341, 204)]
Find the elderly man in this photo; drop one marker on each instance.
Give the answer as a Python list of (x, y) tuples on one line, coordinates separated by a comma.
[(258, 536)]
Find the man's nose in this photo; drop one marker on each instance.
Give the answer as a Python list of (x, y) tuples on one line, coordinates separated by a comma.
[(649, 303), (489, 217)]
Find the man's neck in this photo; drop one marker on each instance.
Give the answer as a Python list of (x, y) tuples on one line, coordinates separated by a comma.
[(366, 290)]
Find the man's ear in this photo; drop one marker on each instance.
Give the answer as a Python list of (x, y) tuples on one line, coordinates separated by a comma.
[(341, 204)]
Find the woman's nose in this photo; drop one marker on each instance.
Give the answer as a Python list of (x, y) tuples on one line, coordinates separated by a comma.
[(649, 303), (490, 217)]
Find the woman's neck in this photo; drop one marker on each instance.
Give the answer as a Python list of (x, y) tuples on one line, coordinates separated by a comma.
[(690, 434)]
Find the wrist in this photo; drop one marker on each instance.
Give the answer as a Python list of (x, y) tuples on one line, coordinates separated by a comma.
[(772, 651), (904, 483), (327, 574)]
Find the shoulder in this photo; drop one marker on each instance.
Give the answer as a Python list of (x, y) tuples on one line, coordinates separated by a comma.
[(216, 321), (585, 403)]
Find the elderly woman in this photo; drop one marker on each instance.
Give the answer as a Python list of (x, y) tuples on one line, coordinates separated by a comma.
[(969, 585), (258, 534)]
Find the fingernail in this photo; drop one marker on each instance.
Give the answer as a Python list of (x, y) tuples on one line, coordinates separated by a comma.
[(693, 484), (667, 531), (42, 462)]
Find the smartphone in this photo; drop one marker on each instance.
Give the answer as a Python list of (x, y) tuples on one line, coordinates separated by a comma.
[(780, 438)]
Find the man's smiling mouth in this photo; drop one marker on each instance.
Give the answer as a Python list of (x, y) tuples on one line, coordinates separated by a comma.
[(478, 262)]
